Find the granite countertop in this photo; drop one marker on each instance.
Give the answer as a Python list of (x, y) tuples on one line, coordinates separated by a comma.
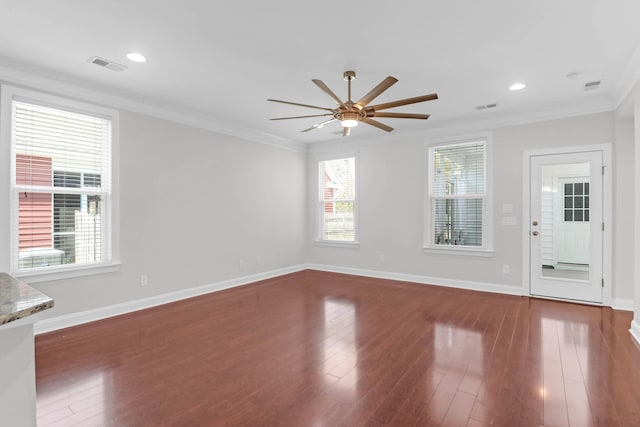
[(18, 300)]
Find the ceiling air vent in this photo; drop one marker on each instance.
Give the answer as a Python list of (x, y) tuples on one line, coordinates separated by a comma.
[(486, 106), (110, 65), (592, 85)]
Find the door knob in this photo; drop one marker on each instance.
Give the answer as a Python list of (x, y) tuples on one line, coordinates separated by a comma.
[(535, 233), (535, 223)]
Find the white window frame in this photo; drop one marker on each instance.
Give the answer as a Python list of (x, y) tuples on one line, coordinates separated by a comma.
[(319, 212), (486, 250), (9, 222)]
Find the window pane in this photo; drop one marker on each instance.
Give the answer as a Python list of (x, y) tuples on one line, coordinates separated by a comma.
[(586, 188), (338, 178), (65, 230), (568, 189), (578, 202), (568, 202), (458, 222), (578, 188), (577, 215), (586, 215), (568, 215), (458, 169), (74, 142), (338, 224)]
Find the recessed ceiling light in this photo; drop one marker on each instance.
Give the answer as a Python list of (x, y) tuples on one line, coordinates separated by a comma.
[(517, 86), (136, 57), (573, 75)]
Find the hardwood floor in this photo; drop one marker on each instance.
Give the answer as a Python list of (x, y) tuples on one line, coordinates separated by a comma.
[(324, 349)]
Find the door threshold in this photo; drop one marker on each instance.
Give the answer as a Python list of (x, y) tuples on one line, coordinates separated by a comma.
[(572, 301)]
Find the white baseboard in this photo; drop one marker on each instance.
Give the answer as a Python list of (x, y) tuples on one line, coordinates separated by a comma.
[(635, 330), (622, 304), (439, 281), (65, 321)]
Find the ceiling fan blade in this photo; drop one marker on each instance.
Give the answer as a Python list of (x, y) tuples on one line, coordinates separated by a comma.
[(400, 102), (376, 91), (328, 91), (377, 124), (346, 131), (396, 115), (302, 117), (318, 125), (300, 105)]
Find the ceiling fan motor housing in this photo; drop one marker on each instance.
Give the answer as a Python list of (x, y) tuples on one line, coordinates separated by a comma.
[(349, 75)]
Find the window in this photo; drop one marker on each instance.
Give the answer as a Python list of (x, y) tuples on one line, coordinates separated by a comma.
[(61, 183), (576, 202), (457, 198), (337, 200)]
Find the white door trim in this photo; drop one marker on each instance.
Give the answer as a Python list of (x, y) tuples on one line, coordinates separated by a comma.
[(607, 213)]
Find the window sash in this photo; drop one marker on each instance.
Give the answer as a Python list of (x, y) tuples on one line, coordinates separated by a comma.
[(464, 163), (453, 226)]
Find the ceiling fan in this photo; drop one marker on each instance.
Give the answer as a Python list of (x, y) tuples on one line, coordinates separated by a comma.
[(350, 113)]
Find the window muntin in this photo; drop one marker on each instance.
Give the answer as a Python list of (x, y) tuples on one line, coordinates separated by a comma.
[(457, 195), (337, 199), (61, 187)]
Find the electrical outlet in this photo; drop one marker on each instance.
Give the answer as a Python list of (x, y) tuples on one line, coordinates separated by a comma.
[(241, 263), (381, 258), (144, 280), (259, 259), (506, 269)]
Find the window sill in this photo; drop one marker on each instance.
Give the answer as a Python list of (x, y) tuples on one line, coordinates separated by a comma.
[(48, 274), (337, 244), (458, 251)]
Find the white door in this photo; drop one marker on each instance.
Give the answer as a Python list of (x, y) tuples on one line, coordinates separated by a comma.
[(572, 221), (565, 231)]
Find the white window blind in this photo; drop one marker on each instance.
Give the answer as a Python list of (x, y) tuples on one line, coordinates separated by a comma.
[(61, 187), (458, 194), (337, 196)]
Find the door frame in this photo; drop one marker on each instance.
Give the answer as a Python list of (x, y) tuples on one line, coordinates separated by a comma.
[(607, 214)]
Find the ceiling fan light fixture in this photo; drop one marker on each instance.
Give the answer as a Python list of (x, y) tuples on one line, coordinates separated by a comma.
[(349, 119)]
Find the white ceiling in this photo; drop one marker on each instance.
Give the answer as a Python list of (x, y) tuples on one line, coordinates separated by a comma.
[(224, 59)]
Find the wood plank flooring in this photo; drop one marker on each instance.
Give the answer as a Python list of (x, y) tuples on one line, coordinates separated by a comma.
[(324, 349)]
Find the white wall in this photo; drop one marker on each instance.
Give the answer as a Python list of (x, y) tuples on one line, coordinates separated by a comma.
[(193, 203), (635, 325), (623, 215), (391, 187)]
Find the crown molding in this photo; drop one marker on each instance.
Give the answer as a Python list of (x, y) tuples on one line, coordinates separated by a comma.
[(101, 95), (79, 92), (474, 124)]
